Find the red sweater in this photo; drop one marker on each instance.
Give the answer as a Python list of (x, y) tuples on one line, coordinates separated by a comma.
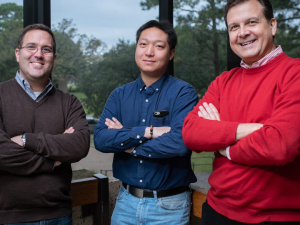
[(262, 180)]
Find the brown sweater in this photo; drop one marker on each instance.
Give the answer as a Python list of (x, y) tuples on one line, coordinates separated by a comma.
[(30, 189)]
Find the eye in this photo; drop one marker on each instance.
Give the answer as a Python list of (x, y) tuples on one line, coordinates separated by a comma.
[(252, 22), (233, 27), (142, 44), (47, 50), (159, 46), (30, 47)]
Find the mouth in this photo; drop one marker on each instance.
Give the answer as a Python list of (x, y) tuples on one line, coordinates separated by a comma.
[(37, 63), (247, 43), (149, 61)]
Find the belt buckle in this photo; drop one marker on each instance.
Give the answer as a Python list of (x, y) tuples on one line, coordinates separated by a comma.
[(136, 191)]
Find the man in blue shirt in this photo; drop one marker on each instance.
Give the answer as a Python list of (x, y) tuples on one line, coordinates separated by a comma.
[(141, 123)]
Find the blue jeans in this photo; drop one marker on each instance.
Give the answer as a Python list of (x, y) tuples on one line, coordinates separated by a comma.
[(67, 220), (172, 210)]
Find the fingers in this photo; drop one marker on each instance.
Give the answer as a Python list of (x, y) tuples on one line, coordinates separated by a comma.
[(113, 124), (57, 163), (215, 112), (70, 130), (223, 152), (204, 113), (209, 112), (118, 124), (129, 150)]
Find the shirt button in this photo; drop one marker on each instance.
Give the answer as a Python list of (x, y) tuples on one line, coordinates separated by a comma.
[(149, 155), (144, 120), (141, 161), (134, 151), (141, 181), (134, 155), (138, 136), (141, 141), (140, 89), (156, 89), (122, 144), (146, 100)]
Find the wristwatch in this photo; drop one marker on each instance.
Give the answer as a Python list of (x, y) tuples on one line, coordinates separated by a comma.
[(23, 139)]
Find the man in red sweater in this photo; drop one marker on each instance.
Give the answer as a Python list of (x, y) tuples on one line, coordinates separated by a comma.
[(250, 118)]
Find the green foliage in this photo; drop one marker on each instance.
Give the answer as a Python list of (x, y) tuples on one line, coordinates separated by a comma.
[(73, 57), (11, 16), (117, 67), (287, 14), (201, 52)]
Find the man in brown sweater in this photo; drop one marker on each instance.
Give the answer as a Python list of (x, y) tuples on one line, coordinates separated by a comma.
[(42, 131)]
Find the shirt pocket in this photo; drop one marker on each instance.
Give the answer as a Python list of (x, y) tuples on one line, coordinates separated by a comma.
[(161, 122)]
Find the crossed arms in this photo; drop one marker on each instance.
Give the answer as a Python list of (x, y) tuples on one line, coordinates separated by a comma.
[(166, 142), (209, 112), (270, 140), (44, 151)]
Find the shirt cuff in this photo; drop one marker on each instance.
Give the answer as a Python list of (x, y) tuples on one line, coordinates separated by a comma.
[(137, 132), (228, 153)]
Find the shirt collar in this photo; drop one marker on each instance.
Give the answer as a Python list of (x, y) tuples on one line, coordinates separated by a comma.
[(156, 86), (21, 80), (267, 58), (26, 86)]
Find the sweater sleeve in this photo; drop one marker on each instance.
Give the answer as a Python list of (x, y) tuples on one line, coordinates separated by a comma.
[(200, 134), (278, 141), (66, 148), (17, 160)]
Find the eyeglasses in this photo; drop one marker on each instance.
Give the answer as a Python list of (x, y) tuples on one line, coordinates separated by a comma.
[(33, 49)]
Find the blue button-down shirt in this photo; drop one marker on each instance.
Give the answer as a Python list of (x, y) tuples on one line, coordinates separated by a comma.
[(155, 164)]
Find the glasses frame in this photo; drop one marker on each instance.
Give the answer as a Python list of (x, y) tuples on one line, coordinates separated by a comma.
[(36, 49)]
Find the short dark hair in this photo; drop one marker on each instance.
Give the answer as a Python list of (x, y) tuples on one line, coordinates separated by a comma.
[(36, 27), (266, 5), (163, 25)]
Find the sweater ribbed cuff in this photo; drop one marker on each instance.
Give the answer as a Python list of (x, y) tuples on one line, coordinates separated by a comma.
[(31, 141)]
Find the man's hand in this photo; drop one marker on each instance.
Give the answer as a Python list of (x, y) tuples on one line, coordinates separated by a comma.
[(57, 163), (18, 140), (129, 150), (223, 152), (113, 124), (245, 129), (69, 130), (157, 131), (209, 112)]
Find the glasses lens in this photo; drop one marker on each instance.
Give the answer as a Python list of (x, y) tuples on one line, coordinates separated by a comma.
[(31, 48)]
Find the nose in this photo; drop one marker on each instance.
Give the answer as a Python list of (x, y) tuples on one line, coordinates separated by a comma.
[(150, 50), (243, 32), (39, 53)]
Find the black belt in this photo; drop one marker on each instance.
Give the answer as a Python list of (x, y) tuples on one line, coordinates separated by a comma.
[(142, 193)]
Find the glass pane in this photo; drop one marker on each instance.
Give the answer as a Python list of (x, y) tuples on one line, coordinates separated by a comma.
[(11, 22), (96, 46)]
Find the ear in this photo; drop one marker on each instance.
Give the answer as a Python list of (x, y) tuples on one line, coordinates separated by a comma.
[(172, 54), (17, 53), (273, 26), (54, 58)]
